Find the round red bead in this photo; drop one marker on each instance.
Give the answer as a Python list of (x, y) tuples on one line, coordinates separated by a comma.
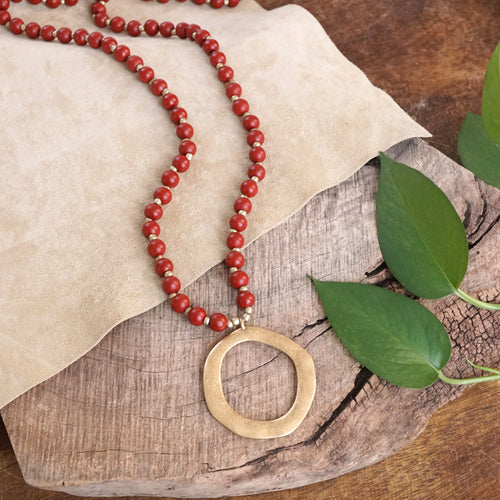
[(70, 3), (249, 188), (235, 240), (238, 222), (100, 19), (166, 29), (238, 279), (250, 122), (235, 259), (117, 24), (95, 39), (121, 53), (153, 211), (255, 135), (80, 36), (32, 30), (163, 265), (245, 299), (4, 4), (169, 101), (181, 163), (16, 26), (216, 4), (243, 203), (156, 247), (158, 86), (186, 147), (151, 27), (97, 7), (240, 107), (170, 284), (53, 4), (217, 57), (170, 178), (180, 303), (133, 62), (191, 30), (233, 3), (47, 32), (108, 43), (150, 227), (257, 170), (180, 30), (218, 322), (177, 114), (257, 154), (184, 131), (4, 17), (196, 315), (146, 74), (199, 2), (164, 194), (201, 36), (134, 28), (210, 46), (64, 35), (225, 73), (233, 89)]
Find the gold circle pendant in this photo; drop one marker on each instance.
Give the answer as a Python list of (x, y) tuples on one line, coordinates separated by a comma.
[(246, 427)]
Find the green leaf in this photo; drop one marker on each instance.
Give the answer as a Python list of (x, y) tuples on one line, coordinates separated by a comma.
[(395, 337), (421, 236), (478, 152), (490, 108)]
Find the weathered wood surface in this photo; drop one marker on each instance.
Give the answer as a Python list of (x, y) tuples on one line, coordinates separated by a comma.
[(129, 417)]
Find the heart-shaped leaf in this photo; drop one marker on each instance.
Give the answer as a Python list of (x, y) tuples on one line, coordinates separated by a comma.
[(395, 337), (490, 108), (478, 152), (421, 236)]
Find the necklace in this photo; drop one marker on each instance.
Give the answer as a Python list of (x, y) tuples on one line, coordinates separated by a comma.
[(235, 260)]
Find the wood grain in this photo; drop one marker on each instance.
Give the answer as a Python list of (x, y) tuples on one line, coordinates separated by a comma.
[(436, 80)]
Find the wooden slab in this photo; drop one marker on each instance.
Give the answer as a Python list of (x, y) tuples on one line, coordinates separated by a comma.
[(129, 417)]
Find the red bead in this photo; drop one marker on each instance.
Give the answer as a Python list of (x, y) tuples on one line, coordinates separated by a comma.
[(180, 30), (4, 4), (255, 135), (235, 259), (150, 227), (170, 178), (15, 26), (245, 299), (257, 170), (238, 279), (201, 36), (108, 43), (225, 73), (177, 114), (196, 315), (180, 303), (186, 147), (121, 53), (191, 30), (216, 4), (80, 36), (71, 3), (233, 3), (233, 89), (153, 211), (257, 154), (162, 266), (100, 19), (198, 2), (217, 57), (95, 39), (117, 24), (156, 247), (134, 28), (47, 33), (249, 188), (243, 204), (238, 222), (4, 17), (240, 107), (32, 30), (146, 74), (171, 284), (181, 163), (33, 2), (53, 4), (158, 86), (133, 62), (218, 322), (166, 29), (164, 194), (64, 35), (184, 131), (169, 101), (162, 1), (210, 46), (97, 7), (235, 240), (250, 122), (151, 27)]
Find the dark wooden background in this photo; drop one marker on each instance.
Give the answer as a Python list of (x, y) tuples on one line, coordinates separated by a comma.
[(430, 56)]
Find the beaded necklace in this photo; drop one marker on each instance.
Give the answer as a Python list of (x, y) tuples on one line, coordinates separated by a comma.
[(235, 260)]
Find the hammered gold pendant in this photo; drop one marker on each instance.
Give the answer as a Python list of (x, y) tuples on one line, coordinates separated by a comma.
[(246, 427)]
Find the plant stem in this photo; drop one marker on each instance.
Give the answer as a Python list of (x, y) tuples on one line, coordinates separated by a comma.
[(465, 381), (477, 302)]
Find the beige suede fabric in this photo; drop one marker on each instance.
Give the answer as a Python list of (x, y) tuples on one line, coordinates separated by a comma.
[(83, 145)]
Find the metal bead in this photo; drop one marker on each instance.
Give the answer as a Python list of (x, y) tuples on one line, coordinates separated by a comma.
[(246, 317), (157, 201), (152, 237), (242, 212), (166, 274), (206, 321), (172, 295), (243, 289), (189, 156), (249, 310)]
